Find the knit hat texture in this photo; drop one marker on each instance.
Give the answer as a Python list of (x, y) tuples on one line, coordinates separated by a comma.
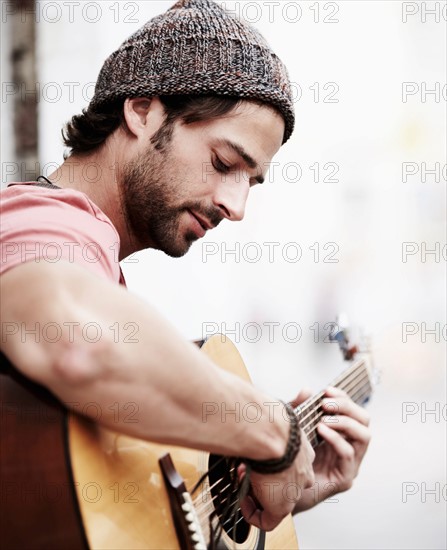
[(197, 48)]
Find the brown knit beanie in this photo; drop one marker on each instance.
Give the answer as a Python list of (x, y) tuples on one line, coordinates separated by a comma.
[(197, 48)]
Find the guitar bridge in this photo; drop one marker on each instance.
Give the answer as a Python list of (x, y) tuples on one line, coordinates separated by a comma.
[(186, 521)]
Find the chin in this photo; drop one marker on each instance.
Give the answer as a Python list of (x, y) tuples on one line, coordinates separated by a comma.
[(177, 250), (174, 253)]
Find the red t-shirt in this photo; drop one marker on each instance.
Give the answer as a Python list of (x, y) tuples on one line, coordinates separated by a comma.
[(49, 225)]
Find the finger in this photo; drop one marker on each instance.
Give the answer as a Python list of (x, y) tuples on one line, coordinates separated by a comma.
[(345, 405), (352, 429), (304, 394), (342, 448), (241, 469), (258, 518), (248, 508), (332, 391)]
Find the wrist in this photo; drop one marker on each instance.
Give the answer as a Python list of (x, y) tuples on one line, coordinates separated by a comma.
[(276, 464)]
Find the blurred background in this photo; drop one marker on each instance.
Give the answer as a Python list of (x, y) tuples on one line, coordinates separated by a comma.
[(351, 218)]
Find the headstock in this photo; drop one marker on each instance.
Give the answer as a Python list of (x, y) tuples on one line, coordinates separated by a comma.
[(353, 352)]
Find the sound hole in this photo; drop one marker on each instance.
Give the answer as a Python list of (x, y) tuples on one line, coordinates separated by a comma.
[(220, 484)]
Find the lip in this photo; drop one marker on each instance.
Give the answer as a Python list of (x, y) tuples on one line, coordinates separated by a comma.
[(197, 226), (203, 222)]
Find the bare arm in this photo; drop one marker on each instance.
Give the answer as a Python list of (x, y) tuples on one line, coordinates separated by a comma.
[(167, 377)]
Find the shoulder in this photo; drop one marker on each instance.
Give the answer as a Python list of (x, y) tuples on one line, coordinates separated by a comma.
[(64, 222), (25, 196)]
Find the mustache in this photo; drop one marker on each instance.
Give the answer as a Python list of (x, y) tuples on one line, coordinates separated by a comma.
[(211, 213)]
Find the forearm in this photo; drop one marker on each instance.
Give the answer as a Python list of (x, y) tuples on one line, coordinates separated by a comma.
[(166, 378)]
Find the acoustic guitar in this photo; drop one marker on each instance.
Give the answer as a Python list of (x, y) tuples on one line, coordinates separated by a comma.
[(67, 482)]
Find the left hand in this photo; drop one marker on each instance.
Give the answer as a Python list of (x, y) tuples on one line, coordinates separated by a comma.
[(346, 437)]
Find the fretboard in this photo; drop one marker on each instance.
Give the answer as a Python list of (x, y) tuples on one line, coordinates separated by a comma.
[(355, 381)]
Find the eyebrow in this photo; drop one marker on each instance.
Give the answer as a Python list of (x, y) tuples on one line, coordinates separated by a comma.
[(249, 160)]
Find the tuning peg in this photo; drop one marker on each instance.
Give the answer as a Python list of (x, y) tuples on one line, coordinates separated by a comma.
[(340, 335), (339, 331), (342, 321)]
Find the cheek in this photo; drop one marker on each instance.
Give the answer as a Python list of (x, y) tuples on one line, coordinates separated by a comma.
[(190, 151), (193, 178)]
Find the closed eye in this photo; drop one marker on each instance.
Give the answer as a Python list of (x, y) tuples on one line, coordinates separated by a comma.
[(221, 166)]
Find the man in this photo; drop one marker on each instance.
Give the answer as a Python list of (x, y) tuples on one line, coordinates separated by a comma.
[(187, 115)]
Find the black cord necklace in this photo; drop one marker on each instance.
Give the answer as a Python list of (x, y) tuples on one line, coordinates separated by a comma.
[(45, 179), (47, 183)]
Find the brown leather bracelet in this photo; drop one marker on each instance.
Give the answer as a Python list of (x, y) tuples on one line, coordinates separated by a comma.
[(277, 465)]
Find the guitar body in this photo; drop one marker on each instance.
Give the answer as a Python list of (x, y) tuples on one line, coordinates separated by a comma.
[(49, 457), (121, 492), (38, 507)]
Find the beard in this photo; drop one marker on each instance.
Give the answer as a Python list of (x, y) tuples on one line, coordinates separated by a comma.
[(155, 201)]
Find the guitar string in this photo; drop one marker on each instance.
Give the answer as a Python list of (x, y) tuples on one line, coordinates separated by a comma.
[(204, 521), (204, 513), (208, 490), (312, 426), (313, 419), (350, 389), (346, 378), (309, 428), (343, 383), (361, 390), (203, 516), (314, 438), (364, 388), (319, 413), (314, 402), (312, 434), (205, 503), (351, 372), (316, 412), (209, 502)]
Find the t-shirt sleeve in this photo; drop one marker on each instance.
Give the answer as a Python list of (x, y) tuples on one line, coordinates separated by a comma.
[(52, 225)]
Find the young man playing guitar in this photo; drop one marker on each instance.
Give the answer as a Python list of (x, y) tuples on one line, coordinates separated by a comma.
[(187, 115)]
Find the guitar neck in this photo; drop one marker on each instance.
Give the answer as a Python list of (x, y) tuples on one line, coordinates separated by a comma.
[(355, 381)]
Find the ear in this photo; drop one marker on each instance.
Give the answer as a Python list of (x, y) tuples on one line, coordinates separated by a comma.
[(143, 115)]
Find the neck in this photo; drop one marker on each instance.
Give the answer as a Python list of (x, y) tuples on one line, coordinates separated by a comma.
[(97, 176)]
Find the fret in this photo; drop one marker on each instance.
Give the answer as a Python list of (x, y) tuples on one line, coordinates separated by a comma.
[(220, 494), (355, 381)]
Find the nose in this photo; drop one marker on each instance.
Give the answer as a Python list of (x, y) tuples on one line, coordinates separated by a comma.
[(231, 194)]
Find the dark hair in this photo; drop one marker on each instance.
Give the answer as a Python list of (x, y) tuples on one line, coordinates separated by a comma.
[(88, 131)]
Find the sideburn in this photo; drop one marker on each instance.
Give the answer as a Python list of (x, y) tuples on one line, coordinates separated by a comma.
[(163, 136)]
